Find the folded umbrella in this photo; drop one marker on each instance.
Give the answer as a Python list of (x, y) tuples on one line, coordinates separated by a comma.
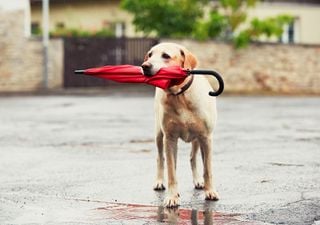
[(166, 77)]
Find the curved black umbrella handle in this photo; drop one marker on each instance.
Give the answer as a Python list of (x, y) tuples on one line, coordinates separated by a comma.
[(213, 73)]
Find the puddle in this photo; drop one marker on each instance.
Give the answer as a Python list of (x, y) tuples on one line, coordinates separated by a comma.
[(285, 164), (146, 214), (141, 141)]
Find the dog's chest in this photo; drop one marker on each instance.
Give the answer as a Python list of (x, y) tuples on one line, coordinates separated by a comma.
[(186, 123), (190, 126)]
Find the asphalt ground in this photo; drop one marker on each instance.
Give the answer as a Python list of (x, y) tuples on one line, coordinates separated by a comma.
[(77, 159)]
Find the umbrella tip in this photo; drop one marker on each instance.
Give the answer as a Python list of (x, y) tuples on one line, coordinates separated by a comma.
[(79, 71)]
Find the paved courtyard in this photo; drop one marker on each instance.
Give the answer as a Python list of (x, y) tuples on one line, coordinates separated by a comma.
[(79, 159)]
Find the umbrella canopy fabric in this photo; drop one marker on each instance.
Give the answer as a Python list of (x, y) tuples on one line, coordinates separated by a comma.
[(164, 78)]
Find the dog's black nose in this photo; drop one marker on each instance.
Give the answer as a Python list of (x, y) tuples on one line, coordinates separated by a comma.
[(146, 67)]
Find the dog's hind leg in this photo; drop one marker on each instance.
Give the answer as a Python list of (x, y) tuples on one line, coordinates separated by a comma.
[(197, 180), (206, 153), (159, 186)]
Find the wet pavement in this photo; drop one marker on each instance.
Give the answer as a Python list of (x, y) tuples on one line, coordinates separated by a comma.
[(91, 160)]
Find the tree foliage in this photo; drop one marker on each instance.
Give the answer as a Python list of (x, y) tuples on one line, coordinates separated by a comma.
[(268, 27), (226, 20), (165, 18)]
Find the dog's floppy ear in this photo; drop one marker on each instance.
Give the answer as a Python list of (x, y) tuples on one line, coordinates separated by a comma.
[(189, 60)]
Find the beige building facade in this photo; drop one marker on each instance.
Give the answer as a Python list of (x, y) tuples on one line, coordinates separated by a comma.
[(93, 15), (305, 29), (90, 15)]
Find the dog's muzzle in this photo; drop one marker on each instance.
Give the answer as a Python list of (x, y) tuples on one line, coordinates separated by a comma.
[(147, 68)]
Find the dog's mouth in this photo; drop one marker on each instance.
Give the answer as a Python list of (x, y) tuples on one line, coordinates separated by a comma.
[(147, 72), (148, 69)]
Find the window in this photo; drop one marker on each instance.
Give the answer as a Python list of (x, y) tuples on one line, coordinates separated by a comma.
[(35, 28), (60, 25), (290, 33)]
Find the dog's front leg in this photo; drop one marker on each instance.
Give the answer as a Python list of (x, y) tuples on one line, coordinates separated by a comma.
[(158, 186), (197, 180), (170, 146), (206, 153)]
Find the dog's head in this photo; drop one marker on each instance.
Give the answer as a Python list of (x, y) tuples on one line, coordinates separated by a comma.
[(167, 54)]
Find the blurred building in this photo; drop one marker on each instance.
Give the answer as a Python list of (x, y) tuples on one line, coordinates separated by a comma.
[(98, 14), (263, 67), (18, 5), (306, 12), (90, 15), (21, 56)]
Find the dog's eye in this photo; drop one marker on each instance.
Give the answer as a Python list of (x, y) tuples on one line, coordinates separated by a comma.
[(150, 54), (166, 56)]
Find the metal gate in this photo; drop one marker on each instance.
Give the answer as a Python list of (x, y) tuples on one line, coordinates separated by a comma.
[(82, 53)]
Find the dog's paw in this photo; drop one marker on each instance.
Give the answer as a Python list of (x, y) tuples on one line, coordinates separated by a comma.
[(172, 201), (212, 195), (159, 186), (198, 184)]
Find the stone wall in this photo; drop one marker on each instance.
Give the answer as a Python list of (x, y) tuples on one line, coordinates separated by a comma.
[(21, 58), (262, 68)]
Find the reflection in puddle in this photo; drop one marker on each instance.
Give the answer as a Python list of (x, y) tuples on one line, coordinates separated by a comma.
[(134, 213)]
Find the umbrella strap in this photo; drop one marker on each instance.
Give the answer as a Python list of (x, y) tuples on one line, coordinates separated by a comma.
[(184, 87)]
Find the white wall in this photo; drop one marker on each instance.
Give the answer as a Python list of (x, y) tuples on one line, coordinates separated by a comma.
[(14, 5)]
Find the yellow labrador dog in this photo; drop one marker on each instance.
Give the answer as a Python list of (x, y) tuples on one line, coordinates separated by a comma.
[(184, 111)]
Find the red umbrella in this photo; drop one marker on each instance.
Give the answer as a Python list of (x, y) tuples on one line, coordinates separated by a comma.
[(164, 78)]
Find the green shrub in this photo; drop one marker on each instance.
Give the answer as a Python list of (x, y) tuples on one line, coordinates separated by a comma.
[(74, 32)]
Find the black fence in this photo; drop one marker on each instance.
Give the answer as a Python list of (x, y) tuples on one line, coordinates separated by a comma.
[(82, 53)]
